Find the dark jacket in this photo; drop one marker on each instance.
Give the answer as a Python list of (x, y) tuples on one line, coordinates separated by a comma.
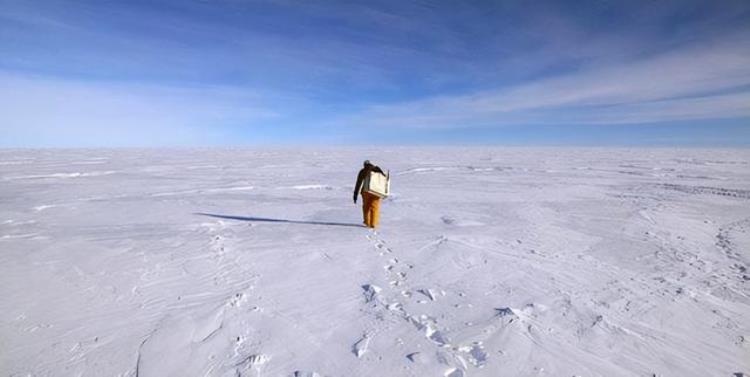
[(361, 177)]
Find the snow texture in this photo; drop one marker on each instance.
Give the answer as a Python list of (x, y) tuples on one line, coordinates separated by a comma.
[(489, 262)]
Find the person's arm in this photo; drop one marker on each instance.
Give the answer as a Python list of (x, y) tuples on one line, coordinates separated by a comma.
[(358, 185)]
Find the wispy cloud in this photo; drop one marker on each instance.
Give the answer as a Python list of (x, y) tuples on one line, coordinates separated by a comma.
[(711, 81)]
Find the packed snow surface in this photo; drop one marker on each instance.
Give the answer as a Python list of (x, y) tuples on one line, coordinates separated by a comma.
[(488, 262)]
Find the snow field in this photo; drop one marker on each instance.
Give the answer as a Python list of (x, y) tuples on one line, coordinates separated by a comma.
[(489, 262)]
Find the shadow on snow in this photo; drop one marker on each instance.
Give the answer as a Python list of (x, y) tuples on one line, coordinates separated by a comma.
[(267, 220)]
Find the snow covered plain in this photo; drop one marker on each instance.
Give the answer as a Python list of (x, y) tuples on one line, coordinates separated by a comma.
[(489, 262)]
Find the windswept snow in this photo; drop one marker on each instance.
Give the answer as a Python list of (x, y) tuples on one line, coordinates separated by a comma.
[(489, 262)]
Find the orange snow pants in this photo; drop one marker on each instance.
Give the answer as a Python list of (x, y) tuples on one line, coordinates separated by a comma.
[(370, 209)]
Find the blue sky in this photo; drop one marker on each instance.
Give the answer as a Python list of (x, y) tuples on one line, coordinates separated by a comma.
[(234, 72)]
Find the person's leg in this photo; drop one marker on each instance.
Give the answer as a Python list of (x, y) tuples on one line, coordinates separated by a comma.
[(375, 212), (366, 209)]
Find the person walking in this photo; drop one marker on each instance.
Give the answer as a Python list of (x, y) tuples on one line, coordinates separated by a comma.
[(370, 202)]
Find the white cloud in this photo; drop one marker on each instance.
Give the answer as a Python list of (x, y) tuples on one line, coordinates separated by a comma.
[(705, 83), (46, 111)]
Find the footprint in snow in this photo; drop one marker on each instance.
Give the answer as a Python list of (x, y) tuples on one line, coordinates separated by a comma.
[(360, 347), (418, 357), (370, 292), (237, 300), (431, 294)]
